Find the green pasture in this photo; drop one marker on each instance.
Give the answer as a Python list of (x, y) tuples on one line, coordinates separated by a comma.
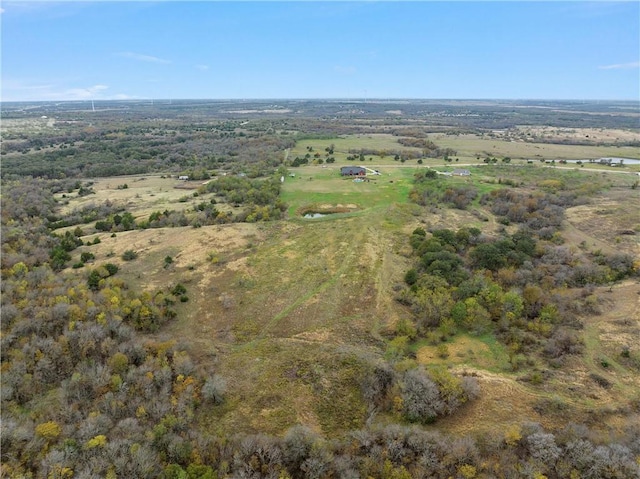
[(343, 143), (314, 185)]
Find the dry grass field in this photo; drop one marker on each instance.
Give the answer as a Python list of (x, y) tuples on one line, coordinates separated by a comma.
[(471, 146), (143, 194), (587, 135)]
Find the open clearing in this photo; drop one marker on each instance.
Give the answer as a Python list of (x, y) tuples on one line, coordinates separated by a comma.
[(138, 194)]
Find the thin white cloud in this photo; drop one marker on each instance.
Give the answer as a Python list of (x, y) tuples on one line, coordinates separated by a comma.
[(620, 66), (2, 10), (142, 58), (203, 68), (13, 90)]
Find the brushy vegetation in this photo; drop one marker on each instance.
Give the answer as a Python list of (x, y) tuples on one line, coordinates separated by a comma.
[(512, 285), (88, 389), (430, 190), (115, 403)]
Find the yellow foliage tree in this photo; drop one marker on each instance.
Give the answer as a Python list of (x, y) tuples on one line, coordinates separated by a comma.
[(98, 441), (19, 269), (119, 363), (49, 430), (60, 472), (467, 471), (450, 386)]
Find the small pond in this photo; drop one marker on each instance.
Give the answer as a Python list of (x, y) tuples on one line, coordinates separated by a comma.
[(316, 215)]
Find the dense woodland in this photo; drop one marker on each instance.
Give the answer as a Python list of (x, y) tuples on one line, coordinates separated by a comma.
[(87, 393)]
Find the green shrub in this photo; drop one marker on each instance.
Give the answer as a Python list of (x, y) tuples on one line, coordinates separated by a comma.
[(111, 268), (129, 255), (178, 290), (86, 256)]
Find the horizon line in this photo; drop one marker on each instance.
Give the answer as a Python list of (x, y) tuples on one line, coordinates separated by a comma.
[(362, 99)]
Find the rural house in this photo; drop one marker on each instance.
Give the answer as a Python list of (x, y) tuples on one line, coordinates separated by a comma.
[(460, 172), (353, 171)]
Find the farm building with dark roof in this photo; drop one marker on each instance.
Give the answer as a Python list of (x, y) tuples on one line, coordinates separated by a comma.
[(353, 171)]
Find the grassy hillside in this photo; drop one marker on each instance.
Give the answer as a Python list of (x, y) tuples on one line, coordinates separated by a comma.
[(294, 312)]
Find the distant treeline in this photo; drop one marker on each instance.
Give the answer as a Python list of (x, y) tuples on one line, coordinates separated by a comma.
[(112, 149)]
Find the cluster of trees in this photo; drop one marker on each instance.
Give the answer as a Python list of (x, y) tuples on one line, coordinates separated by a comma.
[(538, 211), (418, 138), (399, 155), (400, 452), (297, 161), (512, 285), (416, 394), (206, 214), (392, 452), (317, 158), (117, 222), (84, 394), (26, 207), (59, 254), (262, 195), (465, 281), (86, 214), (430, 190), (428, 148)]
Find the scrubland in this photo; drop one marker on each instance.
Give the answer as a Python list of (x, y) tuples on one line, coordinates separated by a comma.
[(426, 325)]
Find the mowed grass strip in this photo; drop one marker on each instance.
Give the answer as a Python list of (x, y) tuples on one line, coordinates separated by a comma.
[(305, 277)]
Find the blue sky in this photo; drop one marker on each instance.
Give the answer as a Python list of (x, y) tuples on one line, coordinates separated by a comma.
[(374, 49)]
